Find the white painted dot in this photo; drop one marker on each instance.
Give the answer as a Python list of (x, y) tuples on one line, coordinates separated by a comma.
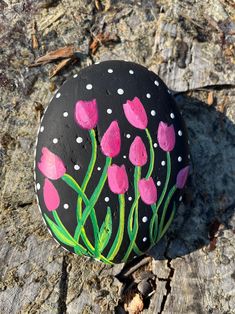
[(75, 75), (179, 158), (180, 198), (169, 92), (155, 145), (128, 135), (38, 186), (145, 219), (124, 156), (153, 113), (65, 114), (144, 239), (41, 128), (156, 83), (66, 206), (109, 111), (76, 167), (180, 133), (163, 163), (110, 70), (129, 198), (159, 183), (55, 140), (188, 142), (98, 168), (188, 156), (79, 139), (120, 91), (106, 199), (58, 95), (148, 95), (172, 115), (89, 86), (131, 71)]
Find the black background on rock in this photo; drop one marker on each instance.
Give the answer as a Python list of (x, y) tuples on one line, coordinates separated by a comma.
[(65, 129)]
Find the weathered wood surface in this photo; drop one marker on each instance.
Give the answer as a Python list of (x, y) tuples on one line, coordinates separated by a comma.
[(191, 45)]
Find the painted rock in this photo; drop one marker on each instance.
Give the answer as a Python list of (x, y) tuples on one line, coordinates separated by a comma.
[(111, 161)]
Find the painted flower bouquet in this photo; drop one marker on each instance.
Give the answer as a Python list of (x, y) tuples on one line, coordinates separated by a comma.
[(53, 168)]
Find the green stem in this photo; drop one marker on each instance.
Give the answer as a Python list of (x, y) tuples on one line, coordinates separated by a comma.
[(66, 233), (151, 150), (74, 185), (132, 231), (168, 222), (83, 187), (156, 208), (154, 221), (88, 173), (93, 199), (171, 193), (119, 236)]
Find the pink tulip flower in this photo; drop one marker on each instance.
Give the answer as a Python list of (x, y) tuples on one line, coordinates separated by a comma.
[(135, 113), (50, 195), (166, 136), (111, 140), (182, 177), (51, 165), (148, 191), (86, 114), (138, 154), (117, 179)]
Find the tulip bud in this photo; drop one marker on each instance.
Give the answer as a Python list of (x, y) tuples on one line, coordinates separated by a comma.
[(51, 165), (111, 140), (86, 114), (166, 136), (138, 153), (182, 177), (117, 179), (148, 191), (50, 195), (135, 113)]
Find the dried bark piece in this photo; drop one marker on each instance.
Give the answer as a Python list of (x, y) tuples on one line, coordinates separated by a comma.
[(34, 37), (134, 303), (104, 39), (50, 20), (56, 69), (34, 41), (210, 99), (64, 52)]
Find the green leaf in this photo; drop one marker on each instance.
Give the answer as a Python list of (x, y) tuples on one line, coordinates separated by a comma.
[(59, 233), (105, 231), (169, 221)]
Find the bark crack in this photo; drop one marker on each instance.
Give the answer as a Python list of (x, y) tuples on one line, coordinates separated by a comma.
[(63, 288), (168, 285), (168, 279)]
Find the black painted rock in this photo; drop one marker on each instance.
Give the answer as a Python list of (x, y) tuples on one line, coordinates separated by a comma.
[(111, 161)]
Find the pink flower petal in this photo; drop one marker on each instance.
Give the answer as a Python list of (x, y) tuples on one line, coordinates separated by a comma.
[(182, 177), (51, 165), (86, 114), (111, 140), (166, 136), (135, 113), (148, 191), (138, 154), (117, 179), (50, 195)]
